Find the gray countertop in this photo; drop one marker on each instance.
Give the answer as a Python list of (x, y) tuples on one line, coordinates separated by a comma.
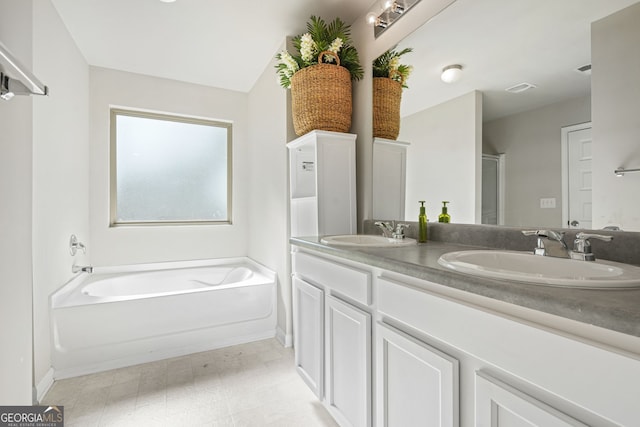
[(617, 310)]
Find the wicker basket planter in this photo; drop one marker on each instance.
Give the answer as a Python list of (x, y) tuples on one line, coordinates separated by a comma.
[(387, 94), (321, 97)]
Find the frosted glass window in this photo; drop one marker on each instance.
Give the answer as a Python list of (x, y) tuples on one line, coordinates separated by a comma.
[(168, 169)]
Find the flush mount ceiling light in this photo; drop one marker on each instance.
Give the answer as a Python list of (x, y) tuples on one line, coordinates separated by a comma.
[(389, 12), (167, 1), (451, 73)]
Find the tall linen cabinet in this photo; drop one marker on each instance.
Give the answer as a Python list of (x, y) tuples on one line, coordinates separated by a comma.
[(322, 168)]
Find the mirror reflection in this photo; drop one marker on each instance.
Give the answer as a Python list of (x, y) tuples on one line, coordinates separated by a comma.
[(510, 142)]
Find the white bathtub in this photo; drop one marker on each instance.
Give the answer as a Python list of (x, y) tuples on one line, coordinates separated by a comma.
[(120, 316)]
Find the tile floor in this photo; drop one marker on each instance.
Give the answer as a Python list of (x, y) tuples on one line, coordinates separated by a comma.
[(251, 384)]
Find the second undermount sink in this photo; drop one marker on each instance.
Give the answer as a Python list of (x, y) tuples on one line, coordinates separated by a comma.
[(543, 270), (367, 241)]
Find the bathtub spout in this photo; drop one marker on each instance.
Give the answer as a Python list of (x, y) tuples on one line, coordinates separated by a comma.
[(81, 268)]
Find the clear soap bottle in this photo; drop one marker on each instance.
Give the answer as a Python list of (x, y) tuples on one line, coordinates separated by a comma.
[(422, 223), (444, 216)]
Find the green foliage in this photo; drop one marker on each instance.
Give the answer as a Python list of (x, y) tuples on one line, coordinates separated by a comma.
[(388, 65), (320, 37)]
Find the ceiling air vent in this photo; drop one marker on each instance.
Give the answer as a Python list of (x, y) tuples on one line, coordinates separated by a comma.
[(585, 69), (520, 87)]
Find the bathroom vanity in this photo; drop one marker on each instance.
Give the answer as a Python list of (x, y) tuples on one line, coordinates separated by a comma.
[(388, 337)]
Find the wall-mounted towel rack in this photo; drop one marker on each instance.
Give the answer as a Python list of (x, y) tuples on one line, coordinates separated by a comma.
[(15, 79), (622, 171)]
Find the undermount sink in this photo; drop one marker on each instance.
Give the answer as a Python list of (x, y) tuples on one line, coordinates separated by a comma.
[(366, 241), (543, 270)]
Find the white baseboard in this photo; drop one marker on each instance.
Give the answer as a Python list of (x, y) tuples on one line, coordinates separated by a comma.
[(285, 339), (44, 385)]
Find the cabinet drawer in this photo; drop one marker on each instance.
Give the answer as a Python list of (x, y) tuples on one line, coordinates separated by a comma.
[(347, 281), (401, 302)]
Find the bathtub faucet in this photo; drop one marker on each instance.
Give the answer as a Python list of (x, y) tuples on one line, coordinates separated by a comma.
[(81, 268)]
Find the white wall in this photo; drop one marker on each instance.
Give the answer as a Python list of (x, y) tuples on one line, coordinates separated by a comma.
[(268, 212), (445, 147), (616, 122), (531, 143), (130, 245), (60, 168), (16, 118)]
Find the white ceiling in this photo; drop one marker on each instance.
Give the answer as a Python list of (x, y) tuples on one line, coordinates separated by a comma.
[(218, 43), (228, 44), (501, 43)]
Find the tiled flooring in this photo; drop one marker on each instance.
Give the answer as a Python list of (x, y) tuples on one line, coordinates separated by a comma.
[(245, 385)]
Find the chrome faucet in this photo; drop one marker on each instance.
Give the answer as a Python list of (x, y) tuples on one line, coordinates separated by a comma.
[(392, 230), (386, 227), (550, 243), (582, 246), (399, 231)]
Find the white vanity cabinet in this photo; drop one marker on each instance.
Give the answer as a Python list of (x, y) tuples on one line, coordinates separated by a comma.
[(385, 349), (416, 384), (332, 335), (348, 363), (500, 405), (308, 316), (513, 371)]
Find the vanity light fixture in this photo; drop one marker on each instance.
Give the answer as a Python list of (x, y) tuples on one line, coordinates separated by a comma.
[(393, 6), (376, 21), (389, 12), (451, 73), (621, 171)]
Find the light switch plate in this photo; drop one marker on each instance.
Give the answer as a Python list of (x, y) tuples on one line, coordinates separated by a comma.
[(548, 203)]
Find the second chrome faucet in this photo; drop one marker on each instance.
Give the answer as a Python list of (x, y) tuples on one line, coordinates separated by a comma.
[(551, 243)]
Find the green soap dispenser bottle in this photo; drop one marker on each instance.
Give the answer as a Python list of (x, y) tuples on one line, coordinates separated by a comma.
[(422, 223), (444, 216)]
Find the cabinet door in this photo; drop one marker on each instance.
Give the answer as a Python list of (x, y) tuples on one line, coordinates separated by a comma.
[(501, 405), (416, 384), (348, 363), (308, 334)]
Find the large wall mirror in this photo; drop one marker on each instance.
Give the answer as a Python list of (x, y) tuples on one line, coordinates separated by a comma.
[(541, 154)]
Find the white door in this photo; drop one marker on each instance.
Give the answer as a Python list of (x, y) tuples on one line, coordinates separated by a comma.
[(579, 176), (416, 384), (348, 363), (308, 334), (500, 405)]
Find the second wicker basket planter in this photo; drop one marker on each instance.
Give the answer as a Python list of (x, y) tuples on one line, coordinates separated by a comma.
[(321, 97), (387, 94)]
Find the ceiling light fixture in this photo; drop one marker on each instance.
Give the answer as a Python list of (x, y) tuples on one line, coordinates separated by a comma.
[(391, 11), (451, 73), (167, 1)]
